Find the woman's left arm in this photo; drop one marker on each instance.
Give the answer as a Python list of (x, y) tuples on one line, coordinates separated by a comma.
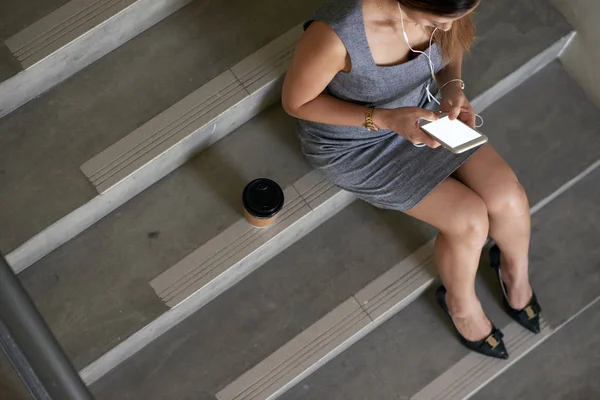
[(454, 101)]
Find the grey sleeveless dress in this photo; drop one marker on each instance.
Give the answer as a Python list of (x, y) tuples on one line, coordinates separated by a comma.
[(381, 167)]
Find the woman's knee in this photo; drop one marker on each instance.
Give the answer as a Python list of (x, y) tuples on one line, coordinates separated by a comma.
[(470, 222), (510, 200)]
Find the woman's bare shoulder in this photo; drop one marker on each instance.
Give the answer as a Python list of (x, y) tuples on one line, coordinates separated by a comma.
[(320, 55), (320, 40)]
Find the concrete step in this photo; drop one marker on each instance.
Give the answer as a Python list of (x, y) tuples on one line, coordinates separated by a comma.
[(566, 366), (417, 355), (16, 15), (509, 34), (51, 200), (345, 321), (72, 37)]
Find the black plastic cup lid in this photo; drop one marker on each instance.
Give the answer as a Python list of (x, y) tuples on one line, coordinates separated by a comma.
[(263, 198)]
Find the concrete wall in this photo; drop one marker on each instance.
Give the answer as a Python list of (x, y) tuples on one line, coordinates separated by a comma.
[(582, 57)]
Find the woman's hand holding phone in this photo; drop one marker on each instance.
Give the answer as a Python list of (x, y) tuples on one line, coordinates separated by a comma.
[(457, 106), (405, 122)]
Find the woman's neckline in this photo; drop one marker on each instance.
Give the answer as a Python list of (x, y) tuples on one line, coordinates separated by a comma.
[(429, 50)]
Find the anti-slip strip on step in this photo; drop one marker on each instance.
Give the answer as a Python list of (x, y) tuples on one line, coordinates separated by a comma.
[(418, 276), (57, 32), (408, 278), (389, 289), (196, 112), (298, 355), (474, 371), (478, 371), (249, 237), (320, 344), (233, 253), (192, 114), (60, 27), (223, 252), (269, 63), (236, 243), (272, 70), (320, 194), (193, 117), (316, 189)]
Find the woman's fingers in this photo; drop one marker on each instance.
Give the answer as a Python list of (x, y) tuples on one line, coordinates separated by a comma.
[(468, 117), (419, 137), (427, 115), (454, 108)]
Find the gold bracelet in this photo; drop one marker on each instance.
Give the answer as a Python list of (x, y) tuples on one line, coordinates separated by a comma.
[(369, 124)]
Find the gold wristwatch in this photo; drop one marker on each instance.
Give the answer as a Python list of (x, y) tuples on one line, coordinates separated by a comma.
[(369, 124)]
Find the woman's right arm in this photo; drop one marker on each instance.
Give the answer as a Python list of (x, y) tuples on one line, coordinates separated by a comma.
[(320, 55)]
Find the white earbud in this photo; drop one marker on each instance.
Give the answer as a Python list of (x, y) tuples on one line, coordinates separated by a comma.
[(430, 96)]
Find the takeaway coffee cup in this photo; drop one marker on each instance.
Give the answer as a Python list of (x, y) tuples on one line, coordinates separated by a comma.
[(263, 199)]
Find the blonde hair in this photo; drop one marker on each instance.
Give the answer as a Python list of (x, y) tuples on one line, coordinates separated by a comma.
[(457, 40)]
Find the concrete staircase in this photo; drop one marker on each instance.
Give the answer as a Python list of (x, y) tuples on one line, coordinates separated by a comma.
[(120, 208)]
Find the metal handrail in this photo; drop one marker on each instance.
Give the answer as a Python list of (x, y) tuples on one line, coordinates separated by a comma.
[(30, 346)]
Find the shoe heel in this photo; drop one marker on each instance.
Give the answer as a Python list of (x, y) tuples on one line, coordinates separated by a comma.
[(492, 346), (528, 317)]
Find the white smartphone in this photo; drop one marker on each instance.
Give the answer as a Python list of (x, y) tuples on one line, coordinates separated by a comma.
[(455, 135)]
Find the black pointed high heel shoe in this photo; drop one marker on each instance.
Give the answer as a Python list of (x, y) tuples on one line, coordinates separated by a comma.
[(529, 316), (491, 346)]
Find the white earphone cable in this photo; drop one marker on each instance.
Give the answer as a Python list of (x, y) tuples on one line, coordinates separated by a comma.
[(430, 96)]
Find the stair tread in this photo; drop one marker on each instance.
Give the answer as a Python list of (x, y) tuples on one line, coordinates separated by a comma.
[(15, 15), (508, 33), (379, 366), (62, 27), (564, 367), (538, 184), (472, 371), (106, 101), (536, 123), (8, 65)]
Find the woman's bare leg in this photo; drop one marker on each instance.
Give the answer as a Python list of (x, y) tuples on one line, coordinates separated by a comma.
[(488, 175), (462, 218)]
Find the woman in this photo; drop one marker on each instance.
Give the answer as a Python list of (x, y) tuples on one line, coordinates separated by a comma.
[(358, 84)]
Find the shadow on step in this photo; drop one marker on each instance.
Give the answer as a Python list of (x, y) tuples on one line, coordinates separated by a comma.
[(9, 66)]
